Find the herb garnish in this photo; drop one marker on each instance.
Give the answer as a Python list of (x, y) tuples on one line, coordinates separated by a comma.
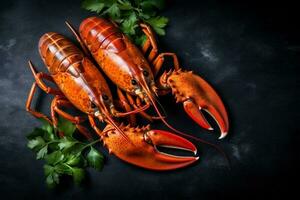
[(128, 14), (63, 155)]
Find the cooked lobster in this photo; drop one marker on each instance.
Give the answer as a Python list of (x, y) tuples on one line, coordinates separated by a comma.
[(128, 68), (81, 85)]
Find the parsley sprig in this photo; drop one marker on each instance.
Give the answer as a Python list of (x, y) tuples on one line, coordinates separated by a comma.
[(63, 155), (128, 13)]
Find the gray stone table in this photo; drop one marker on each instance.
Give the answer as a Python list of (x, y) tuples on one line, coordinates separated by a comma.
[(248, 51)]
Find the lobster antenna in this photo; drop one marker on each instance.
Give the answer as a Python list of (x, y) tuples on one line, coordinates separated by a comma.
[(78, 38), (159, 104), (140, 109)]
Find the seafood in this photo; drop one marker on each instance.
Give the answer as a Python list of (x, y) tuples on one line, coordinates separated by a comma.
[(136, 73), (81, 85), (127, 66)]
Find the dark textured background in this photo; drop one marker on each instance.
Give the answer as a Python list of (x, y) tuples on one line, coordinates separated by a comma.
[(248, 51)]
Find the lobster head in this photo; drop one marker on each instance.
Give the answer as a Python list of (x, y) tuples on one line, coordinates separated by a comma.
[(142, 149)]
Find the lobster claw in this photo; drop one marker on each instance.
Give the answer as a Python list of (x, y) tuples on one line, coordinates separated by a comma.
[(143, 152), (197, 95)]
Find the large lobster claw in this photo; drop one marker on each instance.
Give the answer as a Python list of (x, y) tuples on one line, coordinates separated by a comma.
[(142, 148), (196, 95)]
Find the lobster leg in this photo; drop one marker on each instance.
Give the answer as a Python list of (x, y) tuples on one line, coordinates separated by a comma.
[(55, 108), (126, 106), (159, 60), (151, 41), (39, 80), (137, 103), (146, 46), (28, 105), (147, 116), (128, 100), (94, 126)]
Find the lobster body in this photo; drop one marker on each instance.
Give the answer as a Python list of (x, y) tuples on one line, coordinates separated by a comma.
[(119, 58), (75, 75)]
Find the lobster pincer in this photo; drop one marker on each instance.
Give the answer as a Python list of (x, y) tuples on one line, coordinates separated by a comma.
[(142, 150), (197, 96)]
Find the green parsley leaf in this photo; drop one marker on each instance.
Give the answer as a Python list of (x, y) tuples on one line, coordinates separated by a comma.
[(65, 126), (74, 160), (54, 158), (160, 4), (144, 16), (129, 25), (158, 23), (93, 5), (36, 144), (95, 159), (66, 143), (125, 5), (64, 169), (140, 40), (74, 149), (48, 169), (114, 11), (46, 126), (78, 175), (52, 180), (42, 152)]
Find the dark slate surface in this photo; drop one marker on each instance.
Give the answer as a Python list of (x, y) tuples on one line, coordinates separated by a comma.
[(249, 52)]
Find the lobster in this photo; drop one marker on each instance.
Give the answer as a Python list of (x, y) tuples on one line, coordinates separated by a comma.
[(129, 69), (81, 85)]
